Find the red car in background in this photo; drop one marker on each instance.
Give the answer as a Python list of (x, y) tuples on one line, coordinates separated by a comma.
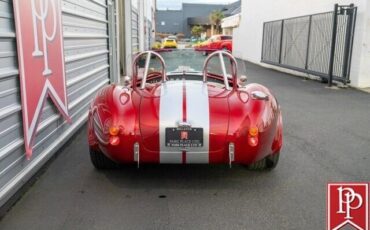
[(217, 42)]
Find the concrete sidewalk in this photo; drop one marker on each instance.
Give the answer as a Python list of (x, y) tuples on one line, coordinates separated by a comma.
[(367, 90), (326, 138)]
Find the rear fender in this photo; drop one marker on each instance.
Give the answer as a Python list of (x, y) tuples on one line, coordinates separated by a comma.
[(278, 140), (247, 112), (226, 45), (114, 106)]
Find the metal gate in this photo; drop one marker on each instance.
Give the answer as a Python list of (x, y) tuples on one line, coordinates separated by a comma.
[(319, 44)]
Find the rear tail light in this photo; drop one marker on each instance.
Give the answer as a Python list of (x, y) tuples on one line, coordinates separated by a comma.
[(253, 141), (253, 136), (114, 140), (253, 131), (114, 131)]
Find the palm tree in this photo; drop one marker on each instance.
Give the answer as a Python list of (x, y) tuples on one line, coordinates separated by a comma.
[(196, 31), (215, 18)]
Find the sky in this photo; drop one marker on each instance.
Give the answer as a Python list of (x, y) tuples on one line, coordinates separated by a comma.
[(176, 4)]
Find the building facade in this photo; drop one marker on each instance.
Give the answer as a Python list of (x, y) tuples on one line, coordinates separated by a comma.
[(137, 20), (181, 21), (89, 54), (248, 37), (233, 18), (169, 21), (98, 38)]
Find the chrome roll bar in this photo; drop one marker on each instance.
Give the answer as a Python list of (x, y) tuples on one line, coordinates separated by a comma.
[(234, 67), (149, 55)]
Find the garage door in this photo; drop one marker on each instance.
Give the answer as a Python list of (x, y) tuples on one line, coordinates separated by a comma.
[(87, 66)]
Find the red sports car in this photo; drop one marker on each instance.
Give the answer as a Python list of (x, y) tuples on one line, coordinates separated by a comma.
[(217, 42), (185, 117)]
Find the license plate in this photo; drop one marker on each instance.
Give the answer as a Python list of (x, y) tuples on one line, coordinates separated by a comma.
[(184, 137)]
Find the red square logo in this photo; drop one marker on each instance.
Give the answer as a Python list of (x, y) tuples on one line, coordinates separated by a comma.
[(184, 135), (348, 206)]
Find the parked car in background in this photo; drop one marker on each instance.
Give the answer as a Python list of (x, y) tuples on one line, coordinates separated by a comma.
[(173, 37), (156, 46), (216, 42), (169, 43), (201, 44), (221, 42), (194, 39)]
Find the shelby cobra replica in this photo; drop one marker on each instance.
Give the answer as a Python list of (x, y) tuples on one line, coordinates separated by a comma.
[(185, 118)]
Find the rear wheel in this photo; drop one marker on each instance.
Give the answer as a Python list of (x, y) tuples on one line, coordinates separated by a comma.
[(268, 162), (259, 165), (272, 160), (100, 161)]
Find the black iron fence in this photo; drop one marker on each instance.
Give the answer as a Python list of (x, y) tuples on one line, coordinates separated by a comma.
[(319, 44)]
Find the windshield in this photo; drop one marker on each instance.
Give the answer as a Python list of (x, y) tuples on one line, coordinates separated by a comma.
[(190, 65), (191, 62), (226, 37), (183, 60)]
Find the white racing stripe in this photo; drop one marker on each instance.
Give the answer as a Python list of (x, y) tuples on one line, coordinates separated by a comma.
[(198, 116), (171, 112)]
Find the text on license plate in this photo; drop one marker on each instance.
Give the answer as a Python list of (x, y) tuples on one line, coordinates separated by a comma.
[(184, 137)]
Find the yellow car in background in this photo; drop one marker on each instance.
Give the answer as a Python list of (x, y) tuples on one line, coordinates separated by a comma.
[(156, 46), (169, 43)]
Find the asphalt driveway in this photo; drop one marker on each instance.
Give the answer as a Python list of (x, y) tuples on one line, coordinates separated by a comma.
[(326, 138)]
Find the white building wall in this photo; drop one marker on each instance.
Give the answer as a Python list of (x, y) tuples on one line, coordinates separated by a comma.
[(248, 36)]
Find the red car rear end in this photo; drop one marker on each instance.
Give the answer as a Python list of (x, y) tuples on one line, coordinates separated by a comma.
[(217, 42), (221, 42)]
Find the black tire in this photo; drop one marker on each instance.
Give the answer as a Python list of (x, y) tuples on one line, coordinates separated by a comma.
[(100, 161), (272, 161), (259, 165), (268, 163)]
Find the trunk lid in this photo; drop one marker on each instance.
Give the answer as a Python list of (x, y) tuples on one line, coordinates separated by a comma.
[(184, 108)]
